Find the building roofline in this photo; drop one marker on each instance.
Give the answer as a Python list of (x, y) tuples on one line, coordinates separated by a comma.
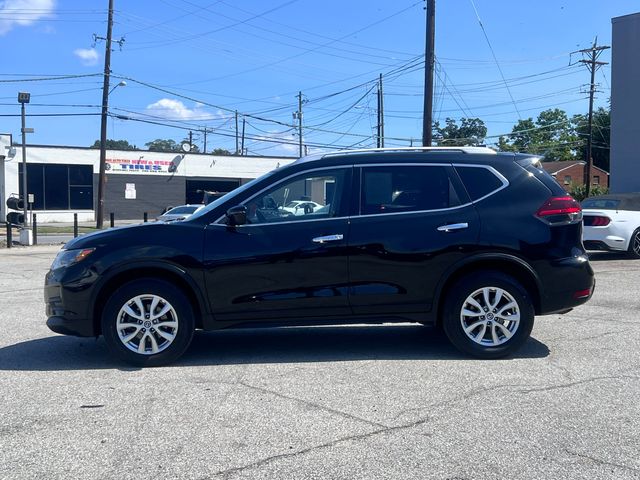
[(623, 18), (30, 145)]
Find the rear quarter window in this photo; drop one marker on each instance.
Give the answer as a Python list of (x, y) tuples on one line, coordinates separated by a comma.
[(479, 181)]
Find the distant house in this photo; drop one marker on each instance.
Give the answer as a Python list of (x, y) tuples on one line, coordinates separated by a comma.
[(572, 173)]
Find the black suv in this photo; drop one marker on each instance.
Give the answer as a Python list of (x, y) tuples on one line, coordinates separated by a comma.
[(463, 238)]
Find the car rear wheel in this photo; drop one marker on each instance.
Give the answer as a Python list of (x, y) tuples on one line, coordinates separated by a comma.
[(488, 315), (148, 322), (634, 244)]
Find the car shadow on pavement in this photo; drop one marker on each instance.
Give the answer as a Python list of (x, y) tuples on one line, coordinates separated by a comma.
[(249, 346)]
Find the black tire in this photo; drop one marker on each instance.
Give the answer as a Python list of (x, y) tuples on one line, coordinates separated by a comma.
[(634, 244), (169, 334), (495, 336)]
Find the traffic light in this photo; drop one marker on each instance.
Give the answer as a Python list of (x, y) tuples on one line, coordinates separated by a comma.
[(15, 218)]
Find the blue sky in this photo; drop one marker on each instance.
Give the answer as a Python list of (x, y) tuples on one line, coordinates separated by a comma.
[(190, 64)]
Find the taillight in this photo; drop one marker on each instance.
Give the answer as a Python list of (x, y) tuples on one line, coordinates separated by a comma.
[(596, 221), (560, 210)]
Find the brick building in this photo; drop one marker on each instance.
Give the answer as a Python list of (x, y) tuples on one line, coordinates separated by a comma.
[(572, 173)]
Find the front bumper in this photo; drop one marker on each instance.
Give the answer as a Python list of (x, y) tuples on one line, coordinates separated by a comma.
[(66, 307), (65, 326)]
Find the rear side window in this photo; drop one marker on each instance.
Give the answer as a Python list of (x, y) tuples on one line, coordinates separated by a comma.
[(391, 189), (478, 181)]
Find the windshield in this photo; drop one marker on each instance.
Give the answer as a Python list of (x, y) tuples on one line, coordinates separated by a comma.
[(216, 203), (602, 203), (182, 210)]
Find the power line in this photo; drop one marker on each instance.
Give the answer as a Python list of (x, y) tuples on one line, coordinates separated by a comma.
[(494, 57)]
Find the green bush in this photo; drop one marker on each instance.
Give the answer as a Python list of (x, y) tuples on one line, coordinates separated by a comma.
[(578, 191)]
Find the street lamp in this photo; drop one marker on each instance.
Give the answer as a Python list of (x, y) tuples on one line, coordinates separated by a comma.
[(102, 176), (121, 84), (24, 98)]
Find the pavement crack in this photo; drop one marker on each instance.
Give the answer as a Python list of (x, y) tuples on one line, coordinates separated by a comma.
[(599, 461), (464, 397), (314, 405), (232, 471), (580, 382)]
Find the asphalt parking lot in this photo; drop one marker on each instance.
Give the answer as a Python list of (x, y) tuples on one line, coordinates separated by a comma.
[(353, 402)]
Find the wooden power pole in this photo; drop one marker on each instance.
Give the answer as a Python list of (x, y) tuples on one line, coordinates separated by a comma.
[(427, 116), (592, 64)]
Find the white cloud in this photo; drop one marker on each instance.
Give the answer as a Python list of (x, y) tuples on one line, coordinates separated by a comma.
[(88, 56), (176, 110), (23, 12)]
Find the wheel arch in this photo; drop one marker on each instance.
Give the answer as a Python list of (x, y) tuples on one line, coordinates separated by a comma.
[(158, 271), (500, 262)]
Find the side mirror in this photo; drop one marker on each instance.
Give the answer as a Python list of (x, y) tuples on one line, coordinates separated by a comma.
[(237, 215)]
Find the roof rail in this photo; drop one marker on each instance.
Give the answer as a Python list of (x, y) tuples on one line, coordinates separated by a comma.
[(413, 149)]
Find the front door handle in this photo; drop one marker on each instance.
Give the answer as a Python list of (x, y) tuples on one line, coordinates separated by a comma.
[(328, 238), (453, 226)]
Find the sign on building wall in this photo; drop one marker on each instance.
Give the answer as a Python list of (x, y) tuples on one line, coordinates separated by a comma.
[(127, 165), (130, 191)]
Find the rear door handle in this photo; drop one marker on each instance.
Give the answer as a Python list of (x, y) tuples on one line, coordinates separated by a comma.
[(453, 226), (328, 238)]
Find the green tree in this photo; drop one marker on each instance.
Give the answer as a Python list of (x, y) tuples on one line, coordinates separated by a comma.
[(160, 145), (601, 140), (115, 145), (470, 132), (552, 134), (220, 151)]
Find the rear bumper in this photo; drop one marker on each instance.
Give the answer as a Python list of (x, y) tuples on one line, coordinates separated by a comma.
[(571, 283), (604, 238)]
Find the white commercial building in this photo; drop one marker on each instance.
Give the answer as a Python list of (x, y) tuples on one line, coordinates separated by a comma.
[(64, 180)]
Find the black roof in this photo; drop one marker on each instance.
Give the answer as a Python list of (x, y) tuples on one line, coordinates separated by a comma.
[(614, 201)]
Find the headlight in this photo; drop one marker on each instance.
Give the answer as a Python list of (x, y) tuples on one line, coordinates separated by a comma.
[(69, 257)]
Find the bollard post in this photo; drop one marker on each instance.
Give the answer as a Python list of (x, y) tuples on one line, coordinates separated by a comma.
[(75, 225), (34, 226), (9, 239), (112, 219), (145, 217)]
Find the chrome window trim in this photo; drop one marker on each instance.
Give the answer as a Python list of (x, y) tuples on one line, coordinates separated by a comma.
[(503, 180), (278, 223), (318, 169)]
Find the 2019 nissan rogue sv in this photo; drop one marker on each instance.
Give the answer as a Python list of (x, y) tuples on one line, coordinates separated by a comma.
[(463, 238)]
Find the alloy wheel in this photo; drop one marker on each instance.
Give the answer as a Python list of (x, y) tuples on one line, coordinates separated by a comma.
[(490, 316), (635, 243), (147, 324)]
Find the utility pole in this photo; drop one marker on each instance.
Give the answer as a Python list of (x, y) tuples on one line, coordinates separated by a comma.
[(298, 115), (427, 116), (205, 140), (592, 64), (380, 142), (190, 140), (237, 132), (103, 120), (242, 147)]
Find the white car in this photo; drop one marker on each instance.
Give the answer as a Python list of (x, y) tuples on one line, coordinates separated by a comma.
[(301, 207), (179, 213), (612, 222)]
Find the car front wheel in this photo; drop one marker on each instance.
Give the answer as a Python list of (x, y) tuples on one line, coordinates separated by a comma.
[(148, 322), (488, 315)]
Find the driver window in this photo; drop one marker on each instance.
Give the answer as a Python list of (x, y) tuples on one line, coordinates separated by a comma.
[(305, 197)]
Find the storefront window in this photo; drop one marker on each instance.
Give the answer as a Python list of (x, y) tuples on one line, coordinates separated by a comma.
[(59, 187)]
